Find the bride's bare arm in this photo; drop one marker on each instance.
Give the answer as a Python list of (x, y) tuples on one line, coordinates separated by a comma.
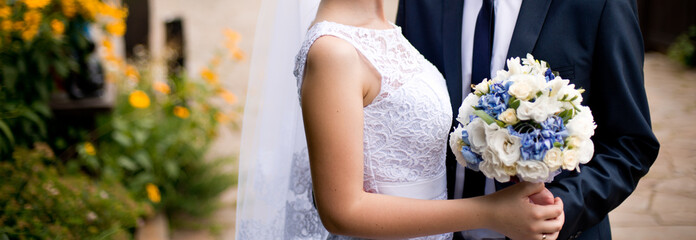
[(335, 84)]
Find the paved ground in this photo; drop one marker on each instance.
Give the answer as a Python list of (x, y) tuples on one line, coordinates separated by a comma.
[(664, 204)]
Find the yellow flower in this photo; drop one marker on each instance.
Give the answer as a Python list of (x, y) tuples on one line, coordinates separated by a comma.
[(215, 61), (132, 73), (68, 7), (139, 99), (32, 18), (232, 42), (89, 8), (209, 75), (228, 96), (5, 12), (181, 112), (153, 193), (89, 149), (29, 34), (18, 26), (36, 3), (161, 87), (117, 28), (112, 11), (107, 45), (238, 55), (232, 36), (6, 25), (58, 27)]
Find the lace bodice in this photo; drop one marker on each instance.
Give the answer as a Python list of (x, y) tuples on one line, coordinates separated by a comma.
[(405, 126)]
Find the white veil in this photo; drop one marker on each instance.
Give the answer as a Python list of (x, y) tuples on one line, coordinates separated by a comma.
[(274, 199)]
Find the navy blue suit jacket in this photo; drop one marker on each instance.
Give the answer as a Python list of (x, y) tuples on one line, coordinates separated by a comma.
[(598, 46)]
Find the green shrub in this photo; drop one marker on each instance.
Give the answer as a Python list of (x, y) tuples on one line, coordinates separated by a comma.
[(39, 202), (43, 44), (683, 49), (158, 135)]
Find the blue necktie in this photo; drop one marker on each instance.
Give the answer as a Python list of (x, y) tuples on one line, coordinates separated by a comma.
[(475, 182), (483, 43)]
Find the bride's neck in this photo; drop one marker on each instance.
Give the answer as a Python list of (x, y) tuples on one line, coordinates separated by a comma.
[(362, 13)]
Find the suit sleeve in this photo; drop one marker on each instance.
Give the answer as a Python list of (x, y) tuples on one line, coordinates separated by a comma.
[(625, 146)]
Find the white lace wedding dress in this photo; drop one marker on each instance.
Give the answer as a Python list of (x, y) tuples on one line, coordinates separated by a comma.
[(405, 127)]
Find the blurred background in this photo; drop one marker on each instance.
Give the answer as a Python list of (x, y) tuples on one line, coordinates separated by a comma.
[(121, 119)]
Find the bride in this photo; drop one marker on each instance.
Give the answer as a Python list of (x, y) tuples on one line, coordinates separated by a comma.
[(376, 117)]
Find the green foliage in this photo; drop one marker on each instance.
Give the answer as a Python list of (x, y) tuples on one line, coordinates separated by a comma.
[(159, 133), (40, 47), (38, 201), (683, 49)]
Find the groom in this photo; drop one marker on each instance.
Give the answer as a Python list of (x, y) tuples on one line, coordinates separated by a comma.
[(596, 44)]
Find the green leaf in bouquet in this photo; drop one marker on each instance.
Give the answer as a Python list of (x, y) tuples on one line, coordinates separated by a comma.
[(514, 104), (126, 163), (485, 117), (566, 115), (556, 73), (121, 138), (143, 159), (500, 123)]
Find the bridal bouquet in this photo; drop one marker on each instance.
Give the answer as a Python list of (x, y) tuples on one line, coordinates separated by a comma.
[(526, 122)]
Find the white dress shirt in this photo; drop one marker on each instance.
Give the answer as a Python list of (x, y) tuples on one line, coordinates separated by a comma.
[(506, 12)]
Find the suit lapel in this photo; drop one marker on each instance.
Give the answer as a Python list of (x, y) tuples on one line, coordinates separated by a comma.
[(529, 23), (452, 49)]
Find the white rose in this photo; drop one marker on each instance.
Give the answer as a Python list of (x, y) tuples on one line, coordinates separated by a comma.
[(522, 90), (553, 158), (570, 159), (500, 76), (509, 116), (525, 86), (505, 147), (532, 171), (582, 124), (493, 168), (477, 135), (482, 87), (555, 85), (584, 148), (456, 143), (514, 66), (467, 108), (536, 66), (539, 110)]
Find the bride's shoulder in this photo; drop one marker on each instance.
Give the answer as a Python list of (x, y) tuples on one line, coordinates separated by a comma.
[(329, 53)]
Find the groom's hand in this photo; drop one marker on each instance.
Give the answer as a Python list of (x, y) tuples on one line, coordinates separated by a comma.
[(545, 197)]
